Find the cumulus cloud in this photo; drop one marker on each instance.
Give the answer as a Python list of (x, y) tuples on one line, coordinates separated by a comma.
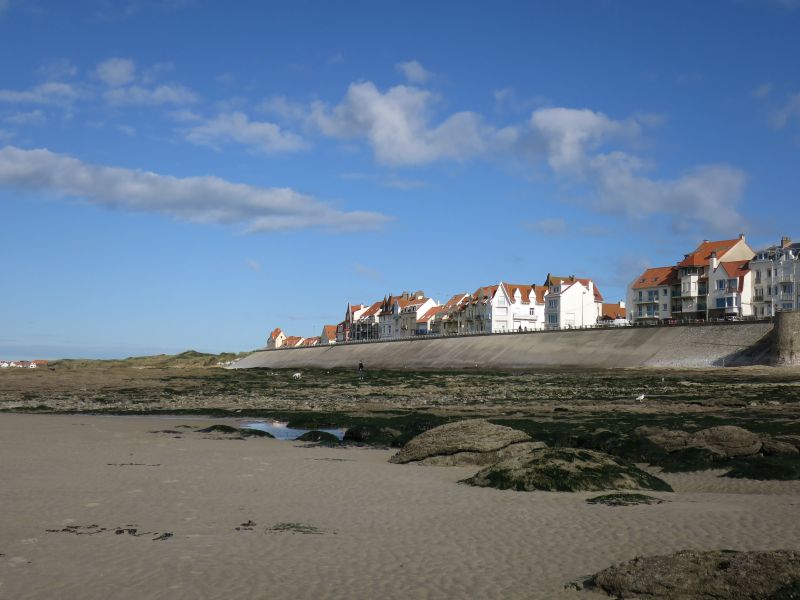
[(116, 71), (45, 93), (397, 125), (414, 72), (193, 199), (237, 127), (34, 117), (174, 94)]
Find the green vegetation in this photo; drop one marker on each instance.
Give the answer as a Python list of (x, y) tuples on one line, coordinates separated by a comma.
[(188, 359), (302, 528)]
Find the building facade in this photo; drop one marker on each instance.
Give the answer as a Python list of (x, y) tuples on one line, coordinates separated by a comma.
[(776, 272)]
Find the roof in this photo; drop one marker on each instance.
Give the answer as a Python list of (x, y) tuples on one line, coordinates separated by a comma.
[(701, 255), (613, 311), (293, 340), (584, 281), (656, 276), (329, 332), (275, 333), (312, 341), (373, 310), (430, 314), (538, 292), (736, 268)]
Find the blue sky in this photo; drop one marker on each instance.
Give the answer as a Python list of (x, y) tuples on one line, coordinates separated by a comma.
[(190, 174)]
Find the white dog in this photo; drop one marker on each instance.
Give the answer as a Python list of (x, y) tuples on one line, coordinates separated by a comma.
[(297, 375)]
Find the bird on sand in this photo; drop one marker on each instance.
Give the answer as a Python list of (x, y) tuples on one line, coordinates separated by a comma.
[(640, 398)]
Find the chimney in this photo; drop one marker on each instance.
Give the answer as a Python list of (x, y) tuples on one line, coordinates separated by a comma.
[(786, 241), (714, 261), (741, 236)]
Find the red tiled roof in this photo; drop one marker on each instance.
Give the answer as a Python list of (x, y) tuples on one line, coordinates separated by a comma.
[(584, 281), (275, 333), (613, 311), (701, 256), (312, 341), (430, 314), (293, 340), (372, 310), (656, 276), (736, 268), (329, 332)]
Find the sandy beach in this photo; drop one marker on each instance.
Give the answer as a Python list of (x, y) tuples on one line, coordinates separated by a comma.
[(317, 522)]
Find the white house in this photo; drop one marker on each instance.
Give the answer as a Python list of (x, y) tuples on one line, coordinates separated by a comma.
[(276, 339), (653, 295), (730, 289), (505, 307), (430, 321), (4, 364), (367, 325), (572, 302), (776, 272), (450, 320), (389, 315)]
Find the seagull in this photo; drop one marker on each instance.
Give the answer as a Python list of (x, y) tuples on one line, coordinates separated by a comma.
[(640, 397)]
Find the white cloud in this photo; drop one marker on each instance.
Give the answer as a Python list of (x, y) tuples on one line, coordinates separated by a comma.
[(116, 72), (789, 111), (44, 93), (763, 90), (236, 127), (57, 69), (195, 199), (139, 95), (127, 130), (34, 117), (396, 125), (4, 4), (414, 72), (253, 265)]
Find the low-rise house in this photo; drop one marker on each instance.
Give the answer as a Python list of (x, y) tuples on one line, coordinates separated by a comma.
[(4, 364), (344, 330), (730, 289), (614, 314), (389, 314), (311, 341), (407, 317), (776, 278), (505, 307), (276, 339), (572, 302), (450, 320), (427, 323), (293, 341), (329, 335)]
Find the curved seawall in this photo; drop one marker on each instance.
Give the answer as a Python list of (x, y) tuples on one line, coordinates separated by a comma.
[(680, 346)]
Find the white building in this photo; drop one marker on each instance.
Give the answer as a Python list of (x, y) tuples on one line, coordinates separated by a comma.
[(276, 339), (730, 289), (776, 273), (505, 307), (572, 302), (450, 320), (652, 295)]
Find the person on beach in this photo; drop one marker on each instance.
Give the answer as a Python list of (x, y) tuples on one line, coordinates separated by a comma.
[(361, 370)]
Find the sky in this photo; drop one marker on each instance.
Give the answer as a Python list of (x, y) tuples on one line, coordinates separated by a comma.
[(181, 174)]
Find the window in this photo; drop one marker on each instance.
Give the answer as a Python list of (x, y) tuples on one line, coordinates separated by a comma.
[(553, 319), (720, 302), (664, 292), (532, 312), (664, 307), (640, 295), (720, 284)]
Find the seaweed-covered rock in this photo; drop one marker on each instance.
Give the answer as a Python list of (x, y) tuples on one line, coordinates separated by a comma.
[(247, 432), (469, 442), (566, 470), (623, 499), (726, 440), (669, 440), (369, 434), (226, 429), (714, 575), (777, 447), (318, 436), (781, 468)]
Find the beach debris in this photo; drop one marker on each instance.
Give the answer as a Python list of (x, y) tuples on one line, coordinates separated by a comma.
[(164, 536), (467, 442), (566, 470), (246, 526), (132, 464), (624, 499), (695, 575), (79, 529)]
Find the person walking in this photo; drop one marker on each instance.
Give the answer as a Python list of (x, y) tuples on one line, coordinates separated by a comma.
[(361, 370)]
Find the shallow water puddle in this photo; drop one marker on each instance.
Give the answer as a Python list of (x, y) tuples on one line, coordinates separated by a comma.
[(282, 432)]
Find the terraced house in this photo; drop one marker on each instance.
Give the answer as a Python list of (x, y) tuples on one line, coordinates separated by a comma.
[(776, 274)]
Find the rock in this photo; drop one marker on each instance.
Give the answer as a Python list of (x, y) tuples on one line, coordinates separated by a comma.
[(566, 470), (623, 499), (463, 459), (726, 440), (318, 436), (773, 447), (790, 439), (669, 440), (473, 441), (714, 575), (369, 434), (226, 429)]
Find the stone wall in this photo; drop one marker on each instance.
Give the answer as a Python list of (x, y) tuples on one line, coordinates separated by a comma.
[(787, 339), (708, 345)]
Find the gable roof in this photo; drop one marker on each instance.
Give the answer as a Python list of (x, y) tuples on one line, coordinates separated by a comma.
[(275, 333), (656, 276), (736, 268), (293, 340), (373, 310), (312, 341), (701, 255), (329, 332), (613, 311), (431, 312), (584, 281)]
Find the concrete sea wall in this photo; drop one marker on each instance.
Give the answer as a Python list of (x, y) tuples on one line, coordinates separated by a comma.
[(708, 345), (787, 339)]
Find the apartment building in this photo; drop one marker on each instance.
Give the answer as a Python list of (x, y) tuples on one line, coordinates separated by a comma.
[(776, 272)]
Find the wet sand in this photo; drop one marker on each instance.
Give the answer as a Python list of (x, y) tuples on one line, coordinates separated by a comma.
[(359, 526)]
